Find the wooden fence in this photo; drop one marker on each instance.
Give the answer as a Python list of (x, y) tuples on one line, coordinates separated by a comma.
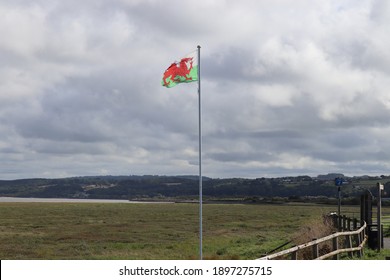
[(350, 241)]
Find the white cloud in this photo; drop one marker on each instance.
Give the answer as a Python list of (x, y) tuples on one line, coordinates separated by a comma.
[(22, 29)]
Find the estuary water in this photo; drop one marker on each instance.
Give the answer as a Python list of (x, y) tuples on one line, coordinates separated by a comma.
[(69, 200)]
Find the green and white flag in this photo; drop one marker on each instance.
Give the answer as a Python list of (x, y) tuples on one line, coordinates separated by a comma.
[(184, 71)]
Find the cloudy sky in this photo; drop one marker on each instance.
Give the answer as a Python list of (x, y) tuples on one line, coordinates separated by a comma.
[(288, 88)]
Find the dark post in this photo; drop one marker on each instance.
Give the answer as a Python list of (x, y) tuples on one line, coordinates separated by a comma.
[(338, 182), (379, 214), (366, 208), (339, 207)]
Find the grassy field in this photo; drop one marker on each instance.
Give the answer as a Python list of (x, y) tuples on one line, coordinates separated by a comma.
[(149, 231)]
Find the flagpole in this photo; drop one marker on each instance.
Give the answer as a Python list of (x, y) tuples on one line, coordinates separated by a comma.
[(200, 165)]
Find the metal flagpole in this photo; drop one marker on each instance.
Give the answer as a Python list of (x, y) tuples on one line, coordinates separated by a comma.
[(200, 165)]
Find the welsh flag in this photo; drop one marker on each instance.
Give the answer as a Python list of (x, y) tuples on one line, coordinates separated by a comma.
[(184, 71)]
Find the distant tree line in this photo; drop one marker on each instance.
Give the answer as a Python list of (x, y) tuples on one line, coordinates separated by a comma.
[(154, 187)]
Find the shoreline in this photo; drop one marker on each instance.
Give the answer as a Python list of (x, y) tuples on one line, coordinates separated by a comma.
[(4, 199)]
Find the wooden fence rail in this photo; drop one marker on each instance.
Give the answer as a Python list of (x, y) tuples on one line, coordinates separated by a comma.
[(330, 246)]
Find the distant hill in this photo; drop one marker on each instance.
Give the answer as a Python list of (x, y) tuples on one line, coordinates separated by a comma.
[(187, 187), (330, 176)]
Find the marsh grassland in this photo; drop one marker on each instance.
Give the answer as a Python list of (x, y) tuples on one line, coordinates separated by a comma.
[(149, 231)]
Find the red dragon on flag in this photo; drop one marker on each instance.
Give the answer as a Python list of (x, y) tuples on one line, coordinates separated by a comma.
[(184, 71)]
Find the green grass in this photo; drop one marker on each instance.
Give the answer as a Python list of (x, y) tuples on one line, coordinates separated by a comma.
[(148, 231)]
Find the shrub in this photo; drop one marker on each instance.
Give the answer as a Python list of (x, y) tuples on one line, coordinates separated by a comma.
[(314, 229)]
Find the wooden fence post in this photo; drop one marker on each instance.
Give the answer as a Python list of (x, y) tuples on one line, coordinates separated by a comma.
[(349, 244), (362, 237), (355, 224), (315, 250), (344, 222), (358, 241), (335, 247)]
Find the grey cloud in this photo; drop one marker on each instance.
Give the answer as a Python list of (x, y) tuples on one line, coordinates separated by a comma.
[(241, 65), (287, 88)]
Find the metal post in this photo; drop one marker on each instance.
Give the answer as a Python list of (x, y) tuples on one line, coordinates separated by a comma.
[(339, 207), (200, 165)]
